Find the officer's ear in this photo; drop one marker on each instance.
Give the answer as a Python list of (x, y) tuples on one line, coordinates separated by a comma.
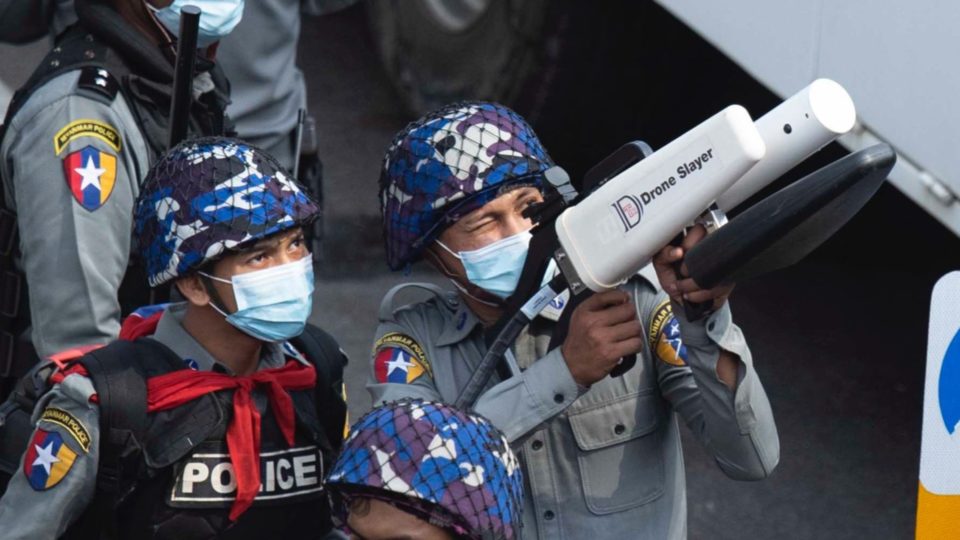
[(193, 290), (445, 263)]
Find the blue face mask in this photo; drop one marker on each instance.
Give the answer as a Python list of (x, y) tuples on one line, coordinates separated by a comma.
[(217, 20), (496, 267), (272, 304)]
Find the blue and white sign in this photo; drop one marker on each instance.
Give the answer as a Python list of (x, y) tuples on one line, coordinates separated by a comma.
[(940, 449)]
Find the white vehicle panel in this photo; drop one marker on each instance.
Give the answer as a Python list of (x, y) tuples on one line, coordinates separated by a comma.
[(895, 58), (898, 62), (775, 42)]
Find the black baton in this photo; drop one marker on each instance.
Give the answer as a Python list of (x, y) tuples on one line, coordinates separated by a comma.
[(183, 74)]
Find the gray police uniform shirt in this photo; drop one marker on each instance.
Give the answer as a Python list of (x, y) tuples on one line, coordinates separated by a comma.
[(603, 462), (260, 59), (71, 164), (28, 513)]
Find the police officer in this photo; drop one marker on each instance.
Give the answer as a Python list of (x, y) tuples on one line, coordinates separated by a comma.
[(267, 94), (429, 471), (601, 456), (79, 136), (211, 416)]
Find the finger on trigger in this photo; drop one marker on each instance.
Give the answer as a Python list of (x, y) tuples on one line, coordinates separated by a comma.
[(687, 285), (699, 296), (664, 255), (693, 236)]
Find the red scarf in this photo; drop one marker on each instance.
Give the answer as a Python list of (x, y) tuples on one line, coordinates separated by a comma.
[(185, 385), (243, 434)]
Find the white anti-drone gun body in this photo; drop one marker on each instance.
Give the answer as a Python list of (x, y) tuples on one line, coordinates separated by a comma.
[(614, 231), (609, 235)]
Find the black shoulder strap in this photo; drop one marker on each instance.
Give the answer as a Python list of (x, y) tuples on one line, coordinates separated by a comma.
[(329, 360), (76, 49), (119, 373), (323, 351)]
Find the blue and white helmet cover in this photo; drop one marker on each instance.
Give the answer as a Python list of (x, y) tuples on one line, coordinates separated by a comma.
[(449, 163), (208, 195), (449, 467)]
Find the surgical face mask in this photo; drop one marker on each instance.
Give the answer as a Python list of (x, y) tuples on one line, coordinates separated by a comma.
[(217, 20), (272, 304), (496, 267)]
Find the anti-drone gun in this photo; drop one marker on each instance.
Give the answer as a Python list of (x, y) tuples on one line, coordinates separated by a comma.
[(636, 201)]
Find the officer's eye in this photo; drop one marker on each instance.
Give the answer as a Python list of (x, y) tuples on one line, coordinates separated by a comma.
[(485, 223), (297, 243), (257, 258)]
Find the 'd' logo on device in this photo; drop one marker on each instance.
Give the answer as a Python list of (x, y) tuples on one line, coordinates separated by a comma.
[(629, 209)]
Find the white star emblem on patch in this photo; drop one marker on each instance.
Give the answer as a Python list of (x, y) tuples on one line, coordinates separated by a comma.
[(400, 363), (45, 457), (91, 174)]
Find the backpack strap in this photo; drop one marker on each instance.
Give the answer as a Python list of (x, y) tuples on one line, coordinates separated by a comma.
[(118, 374), (329, 360)]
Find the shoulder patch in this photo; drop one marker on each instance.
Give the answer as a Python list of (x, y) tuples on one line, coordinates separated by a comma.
[(664, 336), (86, 128), (90, 174), (48, 460), (68, 422), (398, 358)]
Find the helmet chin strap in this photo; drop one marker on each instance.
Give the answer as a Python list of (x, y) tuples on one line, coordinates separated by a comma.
[(469, 289)]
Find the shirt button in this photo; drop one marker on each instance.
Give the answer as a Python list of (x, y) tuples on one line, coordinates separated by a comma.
[(712, 325), (548, 515), (558, 398), (619, 429), (537, 445)]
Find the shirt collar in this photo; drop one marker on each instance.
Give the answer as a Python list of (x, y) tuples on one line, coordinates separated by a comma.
[(459, 320), (170, 332)]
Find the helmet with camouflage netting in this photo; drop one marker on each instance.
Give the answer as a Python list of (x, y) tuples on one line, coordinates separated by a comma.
[(208, 195), (450, 468), (449, 163)]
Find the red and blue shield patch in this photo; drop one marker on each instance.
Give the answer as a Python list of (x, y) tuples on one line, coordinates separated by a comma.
[(48, 460), (395, 365), (91, 175), (399, 359)]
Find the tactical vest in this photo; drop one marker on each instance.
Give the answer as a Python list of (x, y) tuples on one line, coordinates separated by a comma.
[(103, 74), (166, 475)]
